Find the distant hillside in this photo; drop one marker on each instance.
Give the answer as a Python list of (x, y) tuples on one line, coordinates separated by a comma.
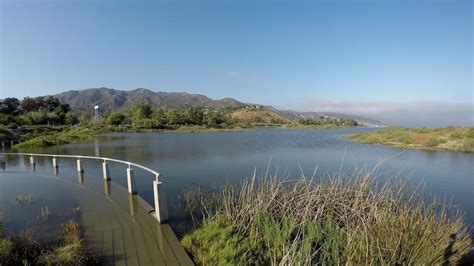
[(293, 115), (259, 116), (116, 100), (110, 100)]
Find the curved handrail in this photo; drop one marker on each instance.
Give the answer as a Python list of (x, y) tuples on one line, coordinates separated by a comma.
[(157, 175), (161, 209)]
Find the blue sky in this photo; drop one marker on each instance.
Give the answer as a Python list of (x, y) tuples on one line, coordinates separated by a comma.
[(279, 53)]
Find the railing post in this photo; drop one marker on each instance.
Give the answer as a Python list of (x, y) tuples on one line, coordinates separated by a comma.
[(11, 143), (80, 177), (161, 209), (131, 181), (3, 144), (32, 160), (55, 162), (79, 166), (3, 165), (105, 171)]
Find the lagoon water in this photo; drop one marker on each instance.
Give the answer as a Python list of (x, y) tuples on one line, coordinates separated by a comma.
[(210, 158)]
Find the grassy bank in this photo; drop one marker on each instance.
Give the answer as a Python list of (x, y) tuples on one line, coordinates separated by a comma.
[(64, 136), (353, 220), (450, 138), (301, 126)]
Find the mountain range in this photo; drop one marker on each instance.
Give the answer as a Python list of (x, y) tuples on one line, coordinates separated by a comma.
[(110, 100)]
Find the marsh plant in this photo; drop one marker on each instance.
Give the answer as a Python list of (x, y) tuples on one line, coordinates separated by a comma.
[(44, 213), (24, 199), (356, 219), (70, 249)]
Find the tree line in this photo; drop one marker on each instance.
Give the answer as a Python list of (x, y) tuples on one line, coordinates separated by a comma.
[(50, 111), (142, 115), (35, 111)]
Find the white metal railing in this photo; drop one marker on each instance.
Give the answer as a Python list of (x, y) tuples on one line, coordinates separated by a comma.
[(161, 210)]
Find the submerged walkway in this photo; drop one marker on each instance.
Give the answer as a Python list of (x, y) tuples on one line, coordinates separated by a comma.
[(117, 225), (126, 234)]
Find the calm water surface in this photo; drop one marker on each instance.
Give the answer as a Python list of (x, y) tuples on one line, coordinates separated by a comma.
[(187, 159)]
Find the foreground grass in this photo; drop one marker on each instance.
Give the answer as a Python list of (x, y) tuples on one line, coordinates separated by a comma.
[(24, 250), (346, 220), (450, 138)]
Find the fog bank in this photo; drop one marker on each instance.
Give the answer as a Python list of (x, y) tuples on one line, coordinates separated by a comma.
[(409, 114)]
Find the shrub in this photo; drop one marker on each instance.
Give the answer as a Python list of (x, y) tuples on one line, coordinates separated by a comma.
[(430, 143), (468, 145), (5, 250), (216, 244), (470, 133)]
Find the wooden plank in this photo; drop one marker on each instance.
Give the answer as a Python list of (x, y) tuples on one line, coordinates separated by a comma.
[(178, 250), (108, 247), (142, 250), (94, 238), (119, 249), (163, 244), (156, 254), (130, 246)]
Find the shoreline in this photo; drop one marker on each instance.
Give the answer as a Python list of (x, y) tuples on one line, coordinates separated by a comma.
[(72, 135), (453, 139)]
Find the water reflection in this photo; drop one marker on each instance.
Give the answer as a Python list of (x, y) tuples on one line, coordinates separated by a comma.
[(80, 178), (107, 188), (132, 204), (55, 171)]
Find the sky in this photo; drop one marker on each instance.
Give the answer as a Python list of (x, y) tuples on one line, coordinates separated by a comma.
[(302, 55)]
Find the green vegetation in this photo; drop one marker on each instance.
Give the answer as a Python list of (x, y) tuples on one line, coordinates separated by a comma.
[(67, 136), (35, 111), (449, 138), (24, 250), (356, 219), (45, 121), (6, 134), (71, 249), (24, 199), (258, 115)]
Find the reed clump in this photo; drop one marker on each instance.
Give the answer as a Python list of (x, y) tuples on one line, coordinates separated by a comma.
[(356, 219)]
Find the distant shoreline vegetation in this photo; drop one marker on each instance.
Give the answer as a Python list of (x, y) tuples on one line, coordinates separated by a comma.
[(45, 121), (460, 139)]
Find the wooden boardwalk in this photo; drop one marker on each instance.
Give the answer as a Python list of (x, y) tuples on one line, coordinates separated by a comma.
[(117, 224), (126, 234)]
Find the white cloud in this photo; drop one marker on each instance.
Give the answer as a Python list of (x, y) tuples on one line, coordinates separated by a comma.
[(416, 113)]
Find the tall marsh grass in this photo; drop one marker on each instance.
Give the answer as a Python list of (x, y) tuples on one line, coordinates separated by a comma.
[(356, 219)]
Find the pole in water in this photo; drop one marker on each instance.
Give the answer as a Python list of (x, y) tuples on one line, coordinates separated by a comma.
[(131, 181), (32, 160), (55, 162), (161, 210), (79, 166), (105, 171)]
